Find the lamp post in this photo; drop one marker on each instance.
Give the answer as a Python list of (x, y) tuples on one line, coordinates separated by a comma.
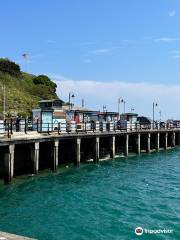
[(132, 109), (160, 115), (71, 95), (124, 102), (105, 111), (104, 108), (120, 100), (4, 101), (154, 105), (82, 103), (25, 56)]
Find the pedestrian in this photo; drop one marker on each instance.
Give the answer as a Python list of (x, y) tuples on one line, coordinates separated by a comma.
[(17, 123)]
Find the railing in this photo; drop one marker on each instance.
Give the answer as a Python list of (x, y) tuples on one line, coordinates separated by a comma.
[(25, 126)]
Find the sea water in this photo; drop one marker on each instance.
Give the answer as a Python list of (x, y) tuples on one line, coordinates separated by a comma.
[(104, 201)]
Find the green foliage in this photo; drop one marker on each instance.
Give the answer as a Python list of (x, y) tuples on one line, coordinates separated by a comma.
[(7, 66), (23, 94), (44, 80), (43, 91)]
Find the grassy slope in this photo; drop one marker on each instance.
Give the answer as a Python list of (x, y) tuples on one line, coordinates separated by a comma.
[(22, 94)]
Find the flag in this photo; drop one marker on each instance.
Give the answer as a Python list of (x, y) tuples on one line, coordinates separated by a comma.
[(24, 55)]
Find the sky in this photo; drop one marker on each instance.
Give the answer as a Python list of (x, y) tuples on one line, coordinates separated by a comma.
[(100, 50)]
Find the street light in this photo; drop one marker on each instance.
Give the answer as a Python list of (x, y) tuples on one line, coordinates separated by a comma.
[(121, 100), (25, 56), (71, 95), (160, 115), (104, 108), (132, 109), (82, 103), (105, 111), (4, 101), (154, 105), (124, 106)]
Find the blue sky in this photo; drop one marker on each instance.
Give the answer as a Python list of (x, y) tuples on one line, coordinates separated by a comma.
[(129, 46)]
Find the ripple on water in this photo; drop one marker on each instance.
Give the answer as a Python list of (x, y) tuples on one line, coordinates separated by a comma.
[(102, 201)]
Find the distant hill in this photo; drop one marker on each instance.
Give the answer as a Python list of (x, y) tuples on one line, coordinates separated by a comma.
[(23, 90)]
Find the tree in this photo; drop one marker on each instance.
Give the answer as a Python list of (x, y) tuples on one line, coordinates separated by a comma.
[(7, 66), (44, 82)]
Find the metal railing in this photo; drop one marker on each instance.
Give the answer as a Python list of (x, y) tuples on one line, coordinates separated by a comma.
[(25, 126)]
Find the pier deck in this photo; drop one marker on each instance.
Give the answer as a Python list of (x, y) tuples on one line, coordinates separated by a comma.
[(27, 153), (21, 137)]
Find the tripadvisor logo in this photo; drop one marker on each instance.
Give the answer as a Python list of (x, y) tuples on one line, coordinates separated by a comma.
[(138, 231)]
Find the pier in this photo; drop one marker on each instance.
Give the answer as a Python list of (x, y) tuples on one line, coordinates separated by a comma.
[(29, 153)]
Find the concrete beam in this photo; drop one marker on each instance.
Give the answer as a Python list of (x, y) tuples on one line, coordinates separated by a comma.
[(127, 145), (55, 155), (148, 142), (112, 146), (157, 141), (178, 138), (165, 141), (96, 150), (9, 164), (173, 139), (78, 151), (139, 143), (35, 157)]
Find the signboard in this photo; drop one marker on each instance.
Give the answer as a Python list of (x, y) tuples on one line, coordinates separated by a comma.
[(47, 121), (36, 116), (59, 114)]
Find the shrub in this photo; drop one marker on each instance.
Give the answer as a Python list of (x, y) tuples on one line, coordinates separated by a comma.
[(44, 80), (7, 66)]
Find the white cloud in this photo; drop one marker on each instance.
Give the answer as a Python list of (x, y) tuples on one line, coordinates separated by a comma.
[(105, 50), (87, 60), (140, 96), (50, 41), (87, 43), (126, 40), (175, 54), (172, 13), (166, 39), (101, 51)]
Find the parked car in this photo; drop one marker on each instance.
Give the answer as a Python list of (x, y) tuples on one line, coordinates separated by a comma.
[(176, 124), (144, 122), (162, 124)]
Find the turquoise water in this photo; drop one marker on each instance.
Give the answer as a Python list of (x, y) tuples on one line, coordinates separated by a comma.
[(105, 201)]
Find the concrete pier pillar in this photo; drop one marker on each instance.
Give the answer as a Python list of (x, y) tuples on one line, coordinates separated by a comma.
[(139, 143), (165, 141), (173, 139), (55, 155), (112, 146), (96, 150), (9, 164), (178, 138), (148, 142), (157, 141), (78, 151), (35, 157), (127, 145)]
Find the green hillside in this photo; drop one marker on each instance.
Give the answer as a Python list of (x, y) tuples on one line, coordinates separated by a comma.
[(22, 90)]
